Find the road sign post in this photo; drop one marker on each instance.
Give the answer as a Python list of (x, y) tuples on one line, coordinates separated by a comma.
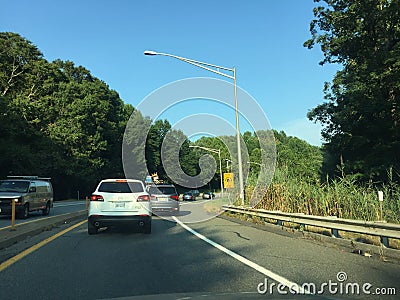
[(229, 182), (380, 198)]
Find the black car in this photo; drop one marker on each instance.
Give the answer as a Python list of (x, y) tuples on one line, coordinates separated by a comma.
[(189, 196), (196, 193)]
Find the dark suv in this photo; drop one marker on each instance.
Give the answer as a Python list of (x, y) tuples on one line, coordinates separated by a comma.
[(30, 193), (163, 198)]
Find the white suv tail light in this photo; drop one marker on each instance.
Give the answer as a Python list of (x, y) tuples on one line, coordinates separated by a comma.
[(143, 198), (96, 198)]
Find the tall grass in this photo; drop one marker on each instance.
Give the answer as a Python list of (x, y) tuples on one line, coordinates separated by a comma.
[(342, 197)]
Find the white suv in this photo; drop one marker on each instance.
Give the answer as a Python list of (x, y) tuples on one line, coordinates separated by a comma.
[(119, 202)]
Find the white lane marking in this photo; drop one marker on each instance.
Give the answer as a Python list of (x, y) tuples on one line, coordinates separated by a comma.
[(28, 251), (292, 285), (73, 204), (36, 220)]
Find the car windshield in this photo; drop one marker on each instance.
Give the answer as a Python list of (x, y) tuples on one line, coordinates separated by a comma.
[(165, 190), (14, 186), (121, 187)]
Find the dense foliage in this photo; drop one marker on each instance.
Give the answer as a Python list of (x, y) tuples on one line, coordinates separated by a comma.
[(57, 120), (301, 159), (343, 197), (362, 109)]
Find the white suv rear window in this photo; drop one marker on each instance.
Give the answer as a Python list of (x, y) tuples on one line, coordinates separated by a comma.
[(121, 187)]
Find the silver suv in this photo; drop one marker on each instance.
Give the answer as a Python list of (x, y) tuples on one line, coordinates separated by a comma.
[(164, 198), (30, 193)]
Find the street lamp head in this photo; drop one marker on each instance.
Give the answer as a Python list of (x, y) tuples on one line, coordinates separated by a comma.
[(150, 52)]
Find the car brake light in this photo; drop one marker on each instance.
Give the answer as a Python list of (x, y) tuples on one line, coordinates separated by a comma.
[(96, 198), (175, 197), (143, 198), (121, 180)]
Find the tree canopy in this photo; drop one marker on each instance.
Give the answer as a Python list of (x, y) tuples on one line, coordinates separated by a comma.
[(361, 115), (56, 119)]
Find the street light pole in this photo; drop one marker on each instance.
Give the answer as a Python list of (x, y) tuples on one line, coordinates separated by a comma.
[(239, 148), (209, 67), (220, 165), (227, 164), (254, 163)]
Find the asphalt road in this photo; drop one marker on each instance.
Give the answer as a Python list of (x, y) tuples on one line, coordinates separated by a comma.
[(172, 260), (59, 208)]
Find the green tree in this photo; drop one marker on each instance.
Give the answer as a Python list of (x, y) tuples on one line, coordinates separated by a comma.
[(134, 144), (155, 138), (302, 160), (24, 77), (176, 147), (16, 57), (226, 145), (57, 120), (361, 113)]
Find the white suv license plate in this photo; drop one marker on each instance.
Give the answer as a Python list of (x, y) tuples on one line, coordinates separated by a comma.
[(120, 205)]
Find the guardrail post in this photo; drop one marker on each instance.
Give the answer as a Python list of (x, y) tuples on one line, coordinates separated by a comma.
[(335, 233), (12, 214), (385, 241), (380, 198)]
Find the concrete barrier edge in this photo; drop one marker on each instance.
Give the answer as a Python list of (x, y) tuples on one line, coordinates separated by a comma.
[(9, 237)]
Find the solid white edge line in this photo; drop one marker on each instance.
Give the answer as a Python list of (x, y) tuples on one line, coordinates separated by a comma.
[(282, 280)]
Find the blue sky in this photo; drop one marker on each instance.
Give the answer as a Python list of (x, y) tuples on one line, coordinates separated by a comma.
[(263, 39)]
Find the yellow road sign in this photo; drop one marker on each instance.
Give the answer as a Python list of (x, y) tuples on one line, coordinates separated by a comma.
[(229, 182)]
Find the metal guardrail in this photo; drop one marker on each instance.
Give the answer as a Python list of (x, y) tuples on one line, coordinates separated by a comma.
[(381, 229)]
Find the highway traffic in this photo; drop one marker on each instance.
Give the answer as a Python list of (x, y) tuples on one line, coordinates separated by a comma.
[(216, 256)]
